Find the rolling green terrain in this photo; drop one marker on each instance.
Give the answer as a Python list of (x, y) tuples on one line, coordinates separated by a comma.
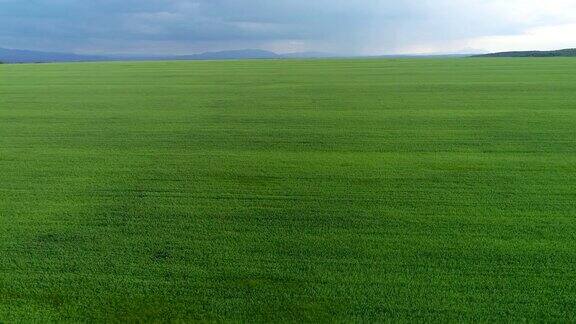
[(570, 52), (337, 190)]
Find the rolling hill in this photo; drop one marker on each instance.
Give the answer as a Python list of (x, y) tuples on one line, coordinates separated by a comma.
[(571, 52)]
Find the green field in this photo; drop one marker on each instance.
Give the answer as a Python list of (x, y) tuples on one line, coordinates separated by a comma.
[(255, 191)]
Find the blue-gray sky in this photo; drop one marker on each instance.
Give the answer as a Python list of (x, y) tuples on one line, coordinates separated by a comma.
[(339, 26)]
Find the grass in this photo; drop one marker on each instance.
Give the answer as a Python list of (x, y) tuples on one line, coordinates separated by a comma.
[(338, 190)]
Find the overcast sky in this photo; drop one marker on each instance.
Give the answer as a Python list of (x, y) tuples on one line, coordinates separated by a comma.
[(366, 27)]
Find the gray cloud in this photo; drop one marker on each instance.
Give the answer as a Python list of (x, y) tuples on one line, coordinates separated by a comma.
[(183, 26)]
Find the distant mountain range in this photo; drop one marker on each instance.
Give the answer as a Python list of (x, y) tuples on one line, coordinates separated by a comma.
[(28, 56), (571, 52)]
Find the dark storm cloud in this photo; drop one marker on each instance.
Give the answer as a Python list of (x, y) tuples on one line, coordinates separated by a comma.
[(166, 26)]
